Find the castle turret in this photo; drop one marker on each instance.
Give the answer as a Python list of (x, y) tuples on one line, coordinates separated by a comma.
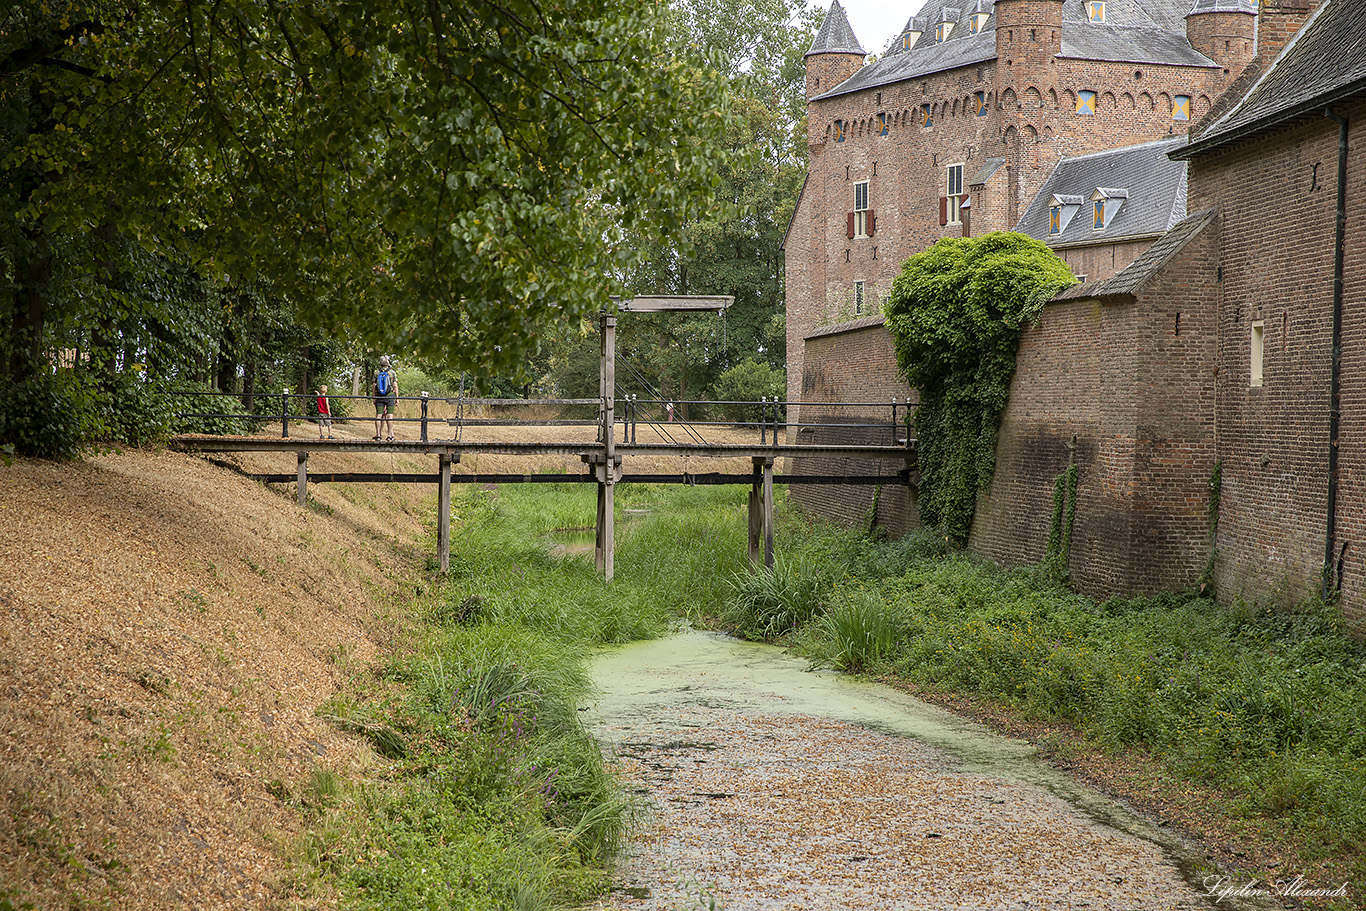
[(1225, 31), (1028, 37), (835, 55)]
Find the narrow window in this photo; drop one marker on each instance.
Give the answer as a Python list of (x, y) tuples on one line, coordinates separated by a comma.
[(942, 31), (858, 298), (1258, 337), (1086, 102), (1099, 220), (1181, 108), (954, 196), (1055, 219), (882, 124), (980, 100), (839, 130), (1095, 10), (862, 219), (923, 116)]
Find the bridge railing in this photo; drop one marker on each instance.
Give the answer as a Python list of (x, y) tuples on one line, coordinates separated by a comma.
[(884, 423)]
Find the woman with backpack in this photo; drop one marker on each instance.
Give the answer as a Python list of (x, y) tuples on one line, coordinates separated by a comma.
[(386, 400)]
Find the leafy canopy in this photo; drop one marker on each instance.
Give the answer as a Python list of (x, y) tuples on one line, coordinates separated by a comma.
[(448, 177), (956, 312)]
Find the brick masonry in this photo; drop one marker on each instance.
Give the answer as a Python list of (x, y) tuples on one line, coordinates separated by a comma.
[(1278, 196), (1125, 390)]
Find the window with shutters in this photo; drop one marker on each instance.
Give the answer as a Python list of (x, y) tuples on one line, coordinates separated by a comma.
[(952, 202), (861, 222)]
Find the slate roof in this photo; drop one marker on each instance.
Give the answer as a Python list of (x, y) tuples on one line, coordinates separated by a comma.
[(836, 35), (1156, 187), (1132, 277), (1325, 62), (1135, 31)]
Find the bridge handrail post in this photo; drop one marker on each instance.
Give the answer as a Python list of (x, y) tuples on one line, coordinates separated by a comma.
[(284, 413), (775, 422), (763, 420), (893, 420), (424, 416)]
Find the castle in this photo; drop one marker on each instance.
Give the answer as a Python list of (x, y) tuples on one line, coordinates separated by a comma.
[(1192, 377)]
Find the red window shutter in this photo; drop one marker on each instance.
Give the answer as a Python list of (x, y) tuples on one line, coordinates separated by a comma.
[(849, 224), (966, 215), (943, 210), (872, 222)]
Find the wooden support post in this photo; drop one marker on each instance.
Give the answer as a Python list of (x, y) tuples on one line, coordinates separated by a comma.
[(443, 511), (755, 515), (768, 512), (302, 483), (610, 468)]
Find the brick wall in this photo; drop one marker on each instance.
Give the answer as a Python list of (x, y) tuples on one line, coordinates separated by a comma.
[(1279, 203), (854, 363), (1124, 391)]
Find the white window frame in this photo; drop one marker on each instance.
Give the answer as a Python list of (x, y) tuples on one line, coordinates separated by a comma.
[(861, 211), (955, 203), (1257, 362)]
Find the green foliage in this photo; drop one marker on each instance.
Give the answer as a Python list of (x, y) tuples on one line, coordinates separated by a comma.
[(768, 605), (855, 634), (956, 312), (748, 381), (52, 415), (400, 170), (1062, 521)]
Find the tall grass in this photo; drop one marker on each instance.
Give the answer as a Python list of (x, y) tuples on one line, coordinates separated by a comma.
[(498, 798)]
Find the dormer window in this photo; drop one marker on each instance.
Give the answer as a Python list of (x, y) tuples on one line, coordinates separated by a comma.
[(942, 31), (1095, 10), (1181, 107), (977, 22), (1061, 210), (1105, 205)]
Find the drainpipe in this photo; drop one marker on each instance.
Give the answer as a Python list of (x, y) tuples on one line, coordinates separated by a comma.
[(1335, 380)]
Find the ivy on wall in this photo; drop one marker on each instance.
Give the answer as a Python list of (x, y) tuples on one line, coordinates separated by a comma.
[(956, 312)]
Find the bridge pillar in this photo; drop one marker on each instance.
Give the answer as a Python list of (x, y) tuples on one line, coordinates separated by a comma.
[(443, 510), (302, 482), (761, 512)]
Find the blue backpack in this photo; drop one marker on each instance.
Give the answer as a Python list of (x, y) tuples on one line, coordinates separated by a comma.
[(382, 385)]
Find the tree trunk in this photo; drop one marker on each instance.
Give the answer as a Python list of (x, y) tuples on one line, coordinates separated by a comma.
[(30, 311), (249, 386)]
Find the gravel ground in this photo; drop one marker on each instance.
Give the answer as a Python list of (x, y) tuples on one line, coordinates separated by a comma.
[(752, 802)]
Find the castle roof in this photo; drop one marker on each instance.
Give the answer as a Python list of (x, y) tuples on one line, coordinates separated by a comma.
[(1134, 276), (1150, 184), (1134, 31), (836, 35), (1324, 63)]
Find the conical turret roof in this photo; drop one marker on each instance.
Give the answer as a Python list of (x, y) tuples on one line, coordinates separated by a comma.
[(835, 36)]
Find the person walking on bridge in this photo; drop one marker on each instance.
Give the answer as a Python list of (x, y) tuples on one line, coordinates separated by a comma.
[(324, 414), (386, 400)]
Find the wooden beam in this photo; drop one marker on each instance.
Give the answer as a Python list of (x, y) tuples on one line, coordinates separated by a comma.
[(301, 479), (660, 303), (443, 512)]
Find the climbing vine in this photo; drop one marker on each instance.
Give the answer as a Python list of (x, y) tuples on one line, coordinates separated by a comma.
[(1064, 516), (956, 312), (1216, 489)]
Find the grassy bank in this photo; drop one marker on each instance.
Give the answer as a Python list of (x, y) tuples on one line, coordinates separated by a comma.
[(495, 795), (1263, 706)]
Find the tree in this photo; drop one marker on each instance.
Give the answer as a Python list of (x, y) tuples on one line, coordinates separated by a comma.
[(955, 313), (758, 45), (446, 177)]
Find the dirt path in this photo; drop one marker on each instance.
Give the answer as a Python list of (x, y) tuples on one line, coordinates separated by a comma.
[(766, 788)]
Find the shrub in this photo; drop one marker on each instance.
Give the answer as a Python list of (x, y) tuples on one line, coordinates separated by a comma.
[(52, 415)]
